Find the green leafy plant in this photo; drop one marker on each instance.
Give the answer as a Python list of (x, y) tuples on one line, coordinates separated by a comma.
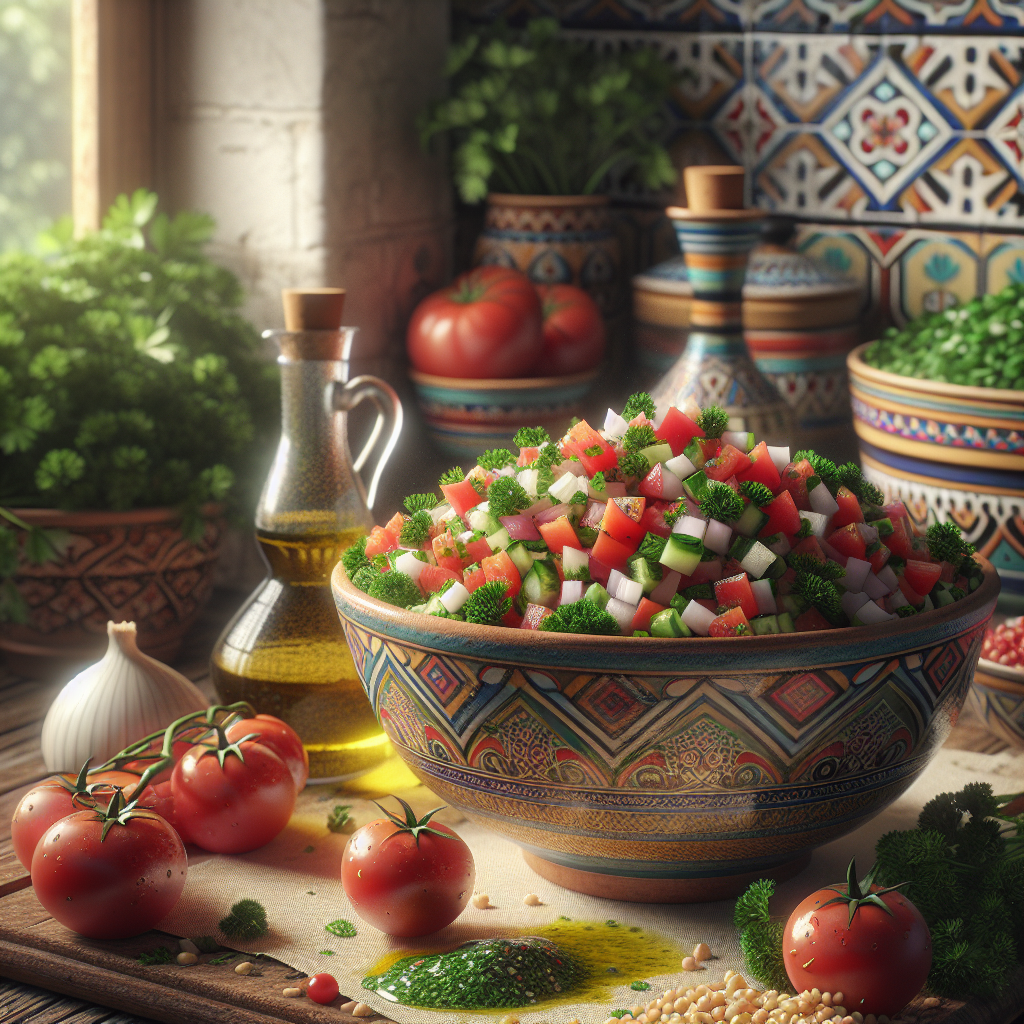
[(532, 112), (247, 920), (38, 546), (127, 377)]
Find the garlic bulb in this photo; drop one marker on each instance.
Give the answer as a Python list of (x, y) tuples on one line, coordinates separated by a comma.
[(120, 699)]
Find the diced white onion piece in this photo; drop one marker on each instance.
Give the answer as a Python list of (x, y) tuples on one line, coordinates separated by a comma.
[(662, 593), (698, 618), (466, 536), (620, 611), (889, 578), (874, 587), (738, 439), (780, 456), (671, 486), (869, 533), (444, 511), (572, 590), (762, 590), (681, 467), (819, 523), (857, 571), (692, 526), (574, 560), (781, 547), (718, 537), (756, 561), (564, 487), (614, 425), (454, 597), (528, 479), (629, 591), (612, 586), (410, 565), (507, 471), (822, 501), (870, 613), (897, 599), (851, 602)]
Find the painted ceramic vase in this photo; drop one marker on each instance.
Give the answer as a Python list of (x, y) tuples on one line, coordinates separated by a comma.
[(716, 368), (555, 240), (665, 770), (466, 417), (997, 697), (949, 452)]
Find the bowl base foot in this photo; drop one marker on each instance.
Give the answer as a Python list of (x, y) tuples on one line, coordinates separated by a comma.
[(659, 890)]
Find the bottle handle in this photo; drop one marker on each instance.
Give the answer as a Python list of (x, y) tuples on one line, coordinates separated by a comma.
[(389, 416)]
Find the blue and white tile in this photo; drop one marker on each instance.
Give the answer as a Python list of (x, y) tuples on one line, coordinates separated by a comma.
[(880, 17), (1004, 260)]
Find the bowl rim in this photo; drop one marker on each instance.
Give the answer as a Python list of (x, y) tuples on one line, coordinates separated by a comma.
[(988, 396), (1005, 672), (468, 636), (501, 383)]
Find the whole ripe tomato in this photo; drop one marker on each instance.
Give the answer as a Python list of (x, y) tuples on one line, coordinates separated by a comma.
[(231, 797), (486, 323), (869, 943), (573, 331), (282, 739), (53, 799), (110, 886), (322, 988), (409, 877)]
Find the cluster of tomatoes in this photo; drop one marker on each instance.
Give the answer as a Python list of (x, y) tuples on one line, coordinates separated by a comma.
[(106, 849), (495, 322), (1005, 644)]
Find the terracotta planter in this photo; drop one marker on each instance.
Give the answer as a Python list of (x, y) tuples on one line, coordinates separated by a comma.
[(555, 240), (126, 566)]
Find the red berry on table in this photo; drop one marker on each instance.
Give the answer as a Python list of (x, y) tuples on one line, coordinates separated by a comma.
[(322, 988)]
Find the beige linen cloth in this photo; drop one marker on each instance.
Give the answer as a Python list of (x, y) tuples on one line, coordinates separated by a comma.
[(296, 878)]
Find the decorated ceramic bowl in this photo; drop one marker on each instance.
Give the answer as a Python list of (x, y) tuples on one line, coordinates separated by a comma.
[(465, 416), (997, 697), (665, 770), (949, 452)]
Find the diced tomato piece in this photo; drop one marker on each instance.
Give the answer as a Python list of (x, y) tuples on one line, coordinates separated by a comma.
[(512, 618), (794, 478), (734, 591), (446, 554), (677, 429), (526, 456), (848, 541), (654, 518), (783, 516), (653, 485), (393, 527), (809, 546), (378, 542), (810, 620), (476, 551), (611, 552), (559, 534), (731, 623), (621, 521), (896, 510), (922, 576), (900, 541), (849, 509), (473, 578), (599, 571), (500, 567), (948, 573), (710, 446), (730, 461), (879, 557), (706, 572), (911, 594), (645, 611), (761, 468), (461, 496), (615, 489), (432, 578), (534, 615), (584, 438)]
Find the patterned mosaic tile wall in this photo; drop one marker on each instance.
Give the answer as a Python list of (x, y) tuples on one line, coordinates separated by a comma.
[(893, 129)]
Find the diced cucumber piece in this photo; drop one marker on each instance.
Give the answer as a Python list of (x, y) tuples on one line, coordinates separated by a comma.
[(757, 560), (482, 520), (541, 585), (587, 535), (499, 540), (883, 526), (434, 605), (751, 522), (681, 467), (777, 569), (691, 526), (656, 453), (793, 603), (819, 523), (596, 594), (669, 624), (942, 598), (698, 618), (696, 485), (695, 453), (717, 537), (762, 625), (764, 595), (742, 439), (575, 564), (682, 553), (785, 619), (643, 573), (740, 548), (522, 558)]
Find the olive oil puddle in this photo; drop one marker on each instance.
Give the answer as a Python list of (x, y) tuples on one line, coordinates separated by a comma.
[(612, 955)]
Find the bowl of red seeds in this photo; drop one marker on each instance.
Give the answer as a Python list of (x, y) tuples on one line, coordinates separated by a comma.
[(997, 695)]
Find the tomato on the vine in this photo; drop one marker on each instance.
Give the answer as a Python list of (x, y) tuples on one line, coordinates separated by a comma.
[(282, 739), (109, 874), (231, 797), (573, 331), (409, 877), (870, 943)]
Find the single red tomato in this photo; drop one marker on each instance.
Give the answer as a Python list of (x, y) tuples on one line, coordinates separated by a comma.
[(282, 739), (869, 943), (109, 874), (53, 799), (573, 331), (157, 795), (225, 804), (486, 323), (409, 877), (322, 988)]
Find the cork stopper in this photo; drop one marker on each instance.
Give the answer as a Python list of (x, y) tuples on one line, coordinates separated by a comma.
[(312, 320), (710, 189)]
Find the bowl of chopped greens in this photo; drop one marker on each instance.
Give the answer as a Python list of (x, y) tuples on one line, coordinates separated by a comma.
[(662, 657), (939, 413)]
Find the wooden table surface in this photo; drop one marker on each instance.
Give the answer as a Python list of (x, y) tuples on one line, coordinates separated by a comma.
[(24, 703)]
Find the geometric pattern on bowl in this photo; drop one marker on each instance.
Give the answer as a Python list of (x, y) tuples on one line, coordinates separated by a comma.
[(690, 759)]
